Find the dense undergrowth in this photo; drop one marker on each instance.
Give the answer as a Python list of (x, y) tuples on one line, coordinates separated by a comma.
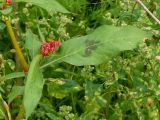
[(124, 87)]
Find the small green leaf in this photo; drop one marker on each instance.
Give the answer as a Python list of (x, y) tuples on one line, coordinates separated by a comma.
[(12, 76), (33, 87), (2, 113), (16, 91), (32, 43), (6, 11), (61, 88), (50, 5), (91, 89), (2, 109), (1, 90), (94, 100), (11, 64), (2, 26), (53, 117), (101, 101)]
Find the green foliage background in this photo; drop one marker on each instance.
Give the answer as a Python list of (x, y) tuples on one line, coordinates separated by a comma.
[(124, 87)]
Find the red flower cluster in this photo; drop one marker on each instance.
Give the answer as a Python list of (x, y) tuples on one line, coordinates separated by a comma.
[(9, 2), (49, 47)]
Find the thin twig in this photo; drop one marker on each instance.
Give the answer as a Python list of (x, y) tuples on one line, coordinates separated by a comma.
[(148, 11)]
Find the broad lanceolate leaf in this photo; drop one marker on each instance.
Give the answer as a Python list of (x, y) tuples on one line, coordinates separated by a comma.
[(32, 43), (105, 42), (49, 5), (102, 44), (33, 86)]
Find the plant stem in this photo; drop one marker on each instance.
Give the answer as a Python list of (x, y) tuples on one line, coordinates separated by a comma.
[(148, 11), (21, 113), (16, 46), (5, 105), (20, 56), (73, 102), (134, 7)]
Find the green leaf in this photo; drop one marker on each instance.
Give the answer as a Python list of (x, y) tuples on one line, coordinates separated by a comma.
[(16, 91), (1, 90), (2, 112), (33, 87), (99, 46), (2, 26), (101, 101), (94, 100), (50, 59), (12, 76), (50, 5), (11, 64), (61, 88), (2, 109), (91, 89), (53, 117), (32, 43), (104, 43), (6, 11)]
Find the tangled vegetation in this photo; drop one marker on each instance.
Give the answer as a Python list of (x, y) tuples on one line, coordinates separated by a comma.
[(79, 59)]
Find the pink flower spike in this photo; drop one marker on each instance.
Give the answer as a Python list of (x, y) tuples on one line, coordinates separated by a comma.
[(9, 2), (48, 48), (52, 50), (57, 43)]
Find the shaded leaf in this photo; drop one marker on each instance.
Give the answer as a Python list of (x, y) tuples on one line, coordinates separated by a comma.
[(33, 87), (2, 111), (32, 43), (53, 117), (91, 89), (12, 76), (2, 26), (6, 11), (1, 90), (101, 101), (11, 64), (49, 5), (54, 58), (94, 100), (61, 88), (2, 108), (16, 91)]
